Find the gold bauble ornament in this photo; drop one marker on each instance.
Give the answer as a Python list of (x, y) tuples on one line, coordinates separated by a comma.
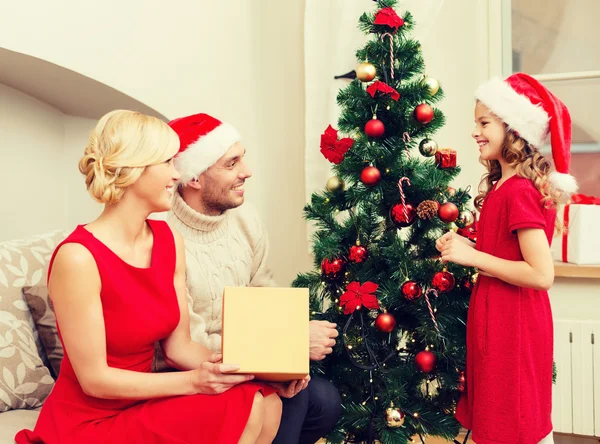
[(433, 86), (465, 218), (452, 227), (365, 72), (335, 184), (394, 418)]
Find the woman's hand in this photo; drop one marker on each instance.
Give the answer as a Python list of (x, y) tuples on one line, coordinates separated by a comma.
[(292, 388), (212, 377), (451, 235)]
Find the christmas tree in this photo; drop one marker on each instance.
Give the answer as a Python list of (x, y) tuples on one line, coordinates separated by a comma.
[(401, 312)]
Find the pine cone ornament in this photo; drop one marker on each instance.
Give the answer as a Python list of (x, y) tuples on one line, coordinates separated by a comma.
[(427, 209)]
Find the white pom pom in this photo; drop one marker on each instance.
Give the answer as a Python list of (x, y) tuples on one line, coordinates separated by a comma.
[(563, 182)]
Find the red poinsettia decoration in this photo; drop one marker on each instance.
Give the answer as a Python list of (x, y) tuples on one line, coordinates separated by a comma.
[(388, 17), (382, 88), (332, 148), (358, 295)]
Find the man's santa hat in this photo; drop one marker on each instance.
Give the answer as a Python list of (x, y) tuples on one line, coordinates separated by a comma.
[(203, 141), (529, 109)]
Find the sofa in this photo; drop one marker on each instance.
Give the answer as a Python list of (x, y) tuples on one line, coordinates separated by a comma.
[(30, 351)]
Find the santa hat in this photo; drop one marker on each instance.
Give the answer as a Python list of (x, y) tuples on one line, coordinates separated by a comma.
[(529, 109), (203, 141)]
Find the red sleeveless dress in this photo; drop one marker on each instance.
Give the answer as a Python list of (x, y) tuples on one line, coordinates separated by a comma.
[(140, 307)]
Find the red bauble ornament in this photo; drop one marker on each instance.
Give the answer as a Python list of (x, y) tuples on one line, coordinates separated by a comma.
[(374, 128), (358, 254), (461, 382), (468, 285), (411, 290), (370, 176), (424, 113), (443, 281), (451, 191), (401, 217), (448, 212), (425, 361), (385, 322), (334, 268)]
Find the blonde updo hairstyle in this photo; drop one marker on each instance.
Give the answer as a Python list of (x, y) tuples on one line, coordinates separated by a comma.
[(121, 146)]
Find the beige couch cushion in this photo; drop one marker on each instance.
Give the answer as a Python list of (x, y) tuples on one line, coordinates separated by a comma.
[(25, 381), (40, 306), (15, 420)]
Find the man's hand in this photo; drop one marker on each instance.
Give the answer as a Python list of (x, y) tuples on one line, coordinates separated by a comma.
[(322, 336), (292, 388)]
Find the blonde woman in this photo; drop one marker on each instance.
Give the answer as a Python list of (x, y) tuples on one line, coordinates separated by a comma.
[(118, 286)]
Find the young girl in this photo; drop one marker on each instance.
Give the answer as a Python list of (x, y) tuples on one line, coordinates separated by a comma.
[(118, 286), (508, 396)]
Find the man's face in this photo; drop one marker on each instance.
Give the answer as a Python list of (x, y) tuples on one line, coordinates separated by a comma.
[(222, 185)]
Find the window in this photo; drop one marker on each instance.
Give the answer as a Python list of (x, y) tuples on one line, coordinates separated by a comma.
[(558, 42)]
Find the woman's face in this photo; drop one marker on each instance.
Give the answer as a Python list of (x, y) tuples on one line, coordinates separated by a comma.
[(156, 186)]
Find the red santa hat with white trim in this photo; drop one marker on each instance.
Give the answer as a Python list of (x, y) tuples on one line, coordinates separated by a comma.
[(203, 141), (529, 109)]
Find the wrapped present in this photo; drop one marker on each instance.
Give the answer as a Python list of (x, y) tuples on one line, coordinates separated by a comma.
[(265, 331), (445, 158), (579, 243)]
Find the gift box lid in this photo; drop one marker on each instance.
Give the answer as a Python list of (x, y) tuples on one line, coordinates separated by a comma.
[(265, 331)]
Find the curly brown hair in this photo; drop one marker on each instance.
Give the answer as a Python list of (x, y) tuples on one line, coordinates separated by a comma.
[(528, 163)]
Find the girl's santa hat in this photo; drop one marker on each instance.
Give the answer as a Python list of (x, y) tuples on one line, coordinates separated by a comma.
[(529, 109), (203, 141)]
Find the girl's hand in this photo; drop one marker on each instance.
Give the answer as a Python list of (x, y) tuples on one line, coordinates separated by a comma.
[(455, 250), (451, 235)]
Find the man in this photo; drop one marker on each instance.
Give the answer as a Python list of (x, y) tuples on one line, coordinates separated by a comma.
[(226, 245)]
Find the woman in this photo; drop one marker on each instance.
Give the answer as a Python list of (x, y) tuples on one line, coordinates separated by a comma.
[(118, 286)]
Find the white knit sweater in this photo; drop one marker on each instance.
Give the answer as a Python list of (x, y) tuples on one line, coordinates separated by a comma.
[(226, 250)]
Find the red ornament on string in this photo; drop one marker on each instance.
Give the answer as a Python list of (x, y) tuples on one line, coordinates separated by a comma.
[(424, 113), (358, 254), (333, 269), (411, 290), (443, 281), (370, 176), (374, 128), (403, 215), (425, 361), (448, 212), (385, 322)]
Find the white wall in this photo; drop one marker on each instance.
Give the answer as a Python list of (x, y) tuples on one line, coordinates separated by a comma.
[(40, 186), (455, 53), (31, 149)]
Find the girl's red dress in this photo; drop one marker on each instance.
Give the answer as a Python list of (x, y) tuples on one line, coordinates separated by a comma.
[(508, 396)]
